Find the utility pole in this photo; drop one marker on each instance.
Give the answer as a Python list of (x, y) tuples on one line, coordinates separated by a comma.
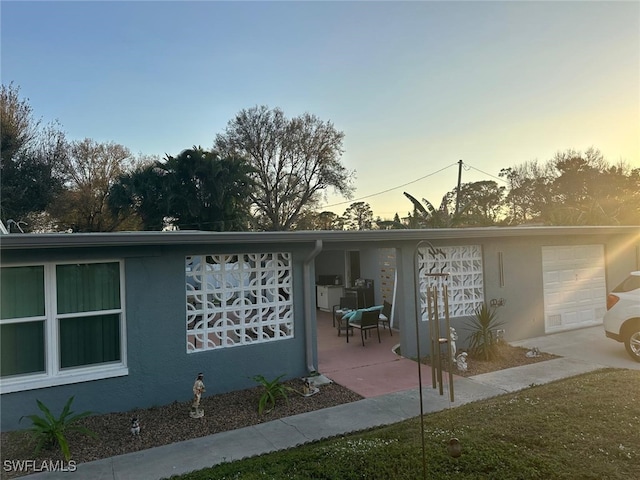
[(458, 188)]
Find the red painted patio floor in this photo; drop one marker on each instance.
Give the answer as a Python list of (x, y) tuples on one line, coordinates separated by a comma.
[(371, 370)]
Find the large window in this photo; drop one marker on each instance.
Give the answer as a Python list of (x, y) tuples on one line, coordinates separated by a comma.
[(238, 299), (61, 324), (23, 319)]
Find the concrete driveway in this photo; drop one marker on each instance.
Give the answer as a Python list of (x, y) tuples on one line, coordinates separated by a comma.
[(585, 344)]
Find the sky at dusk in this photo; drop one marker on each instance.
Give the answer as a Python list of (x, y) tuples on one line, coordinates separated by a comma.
[(414, 86)]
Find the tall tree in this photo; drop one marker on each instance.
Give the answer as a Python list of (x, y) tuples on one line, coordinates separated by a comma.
[(620, 194), (588, 191), (30, 159), (574, 188), (196, 189), (358, 216), (19, 128), (294, 160), (529, 193), (483, 203), (208, 192), (311, 220), (91, 168), (141, 195)]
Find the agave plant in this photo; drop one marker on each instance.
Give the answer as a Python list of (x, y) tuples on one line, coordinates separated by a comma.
[(51, 431), (483, 325)]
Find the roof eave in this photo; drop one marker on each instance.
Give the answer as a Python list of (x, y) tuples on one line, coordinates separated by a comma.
[(118, 239)]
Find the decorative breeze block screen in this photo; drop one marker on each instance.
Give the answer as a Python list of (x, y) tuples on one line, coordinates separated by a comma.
[(238, 299), (464, 280)]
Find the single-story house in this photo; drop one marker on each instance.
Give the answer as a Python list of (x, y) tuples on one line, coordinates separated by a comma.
[(127, 320)]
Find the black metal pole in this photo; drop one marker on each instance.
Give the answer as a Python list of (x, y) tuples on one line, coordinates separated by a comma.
[(416, 289), (432, 336), (448, 326)]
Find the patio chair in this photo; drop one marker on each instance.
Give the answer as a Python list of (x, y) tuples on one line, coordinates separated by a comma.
[(346, 304), (385, 316), (368, 321)]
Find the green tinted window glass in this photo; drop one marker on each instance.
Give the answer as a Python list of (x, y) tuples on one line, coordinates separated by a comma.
[(22, 292), (89, 340), (21, 348), (88, 287)]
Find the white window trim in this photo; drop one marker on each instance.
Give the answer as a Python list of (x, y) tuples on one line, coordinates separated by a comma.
[(54, 375)]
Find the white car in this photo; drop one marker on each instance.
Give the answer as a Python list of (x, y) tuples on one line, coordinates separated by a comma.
[(622, 320)]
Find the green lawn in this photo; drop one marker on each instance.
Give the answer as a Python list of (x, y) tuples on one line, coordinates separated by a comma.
[(586, 427)]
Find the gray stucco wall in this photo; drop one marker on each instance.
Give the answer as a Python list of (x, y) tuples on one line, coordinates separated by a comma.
[(523, 311), (160, 370)]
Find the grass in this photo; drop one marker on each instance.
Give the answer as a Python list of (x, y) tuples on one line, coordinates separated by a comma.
[(584, 427)]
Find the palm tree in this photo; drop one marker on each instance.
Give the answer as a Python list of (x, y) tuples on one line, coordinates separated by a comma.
[(197, 189), (427, 216)]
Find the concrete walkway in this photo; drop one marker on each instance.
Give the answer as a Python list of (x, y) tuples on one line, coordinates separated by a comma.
[(586, 344), (183, 457)]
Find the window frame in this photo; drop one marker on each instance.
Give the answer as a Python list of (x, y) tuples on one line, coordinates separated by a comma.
[(55, 375)]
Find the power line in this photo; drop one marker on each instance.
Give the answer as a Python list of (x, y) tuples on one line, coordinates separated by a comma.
[(492, 176), (465, 165), (389, 189)]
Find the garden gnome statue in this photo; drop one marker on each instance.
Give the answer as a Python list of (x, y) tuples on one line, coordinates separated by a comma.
[(198, 389)]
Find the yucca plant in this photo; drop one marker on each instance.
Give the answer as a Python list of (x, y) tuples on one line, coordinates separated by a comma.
[(483, 325), (51, 431), (273, 389)]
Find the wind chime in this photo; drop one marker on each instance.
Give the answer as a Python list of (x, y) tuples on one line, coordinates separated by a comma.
[(435, 333), (437, 301), (437, 341)]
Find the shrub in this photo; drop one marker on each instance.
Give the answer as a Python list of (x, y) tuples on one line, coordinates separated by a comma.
[(483, 325), (51, 431), (272, 391)]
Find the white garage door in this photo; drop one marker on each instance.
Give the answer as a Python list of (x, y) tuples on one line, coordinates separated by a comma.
[(575, 288)]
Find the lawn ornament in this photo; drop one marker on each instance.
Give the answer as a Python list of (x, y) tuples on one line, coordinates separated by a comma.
[(198, 390), (454, 448), (461, 362), (454, 336), (533, 353), (306, 387), (135, 427)]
